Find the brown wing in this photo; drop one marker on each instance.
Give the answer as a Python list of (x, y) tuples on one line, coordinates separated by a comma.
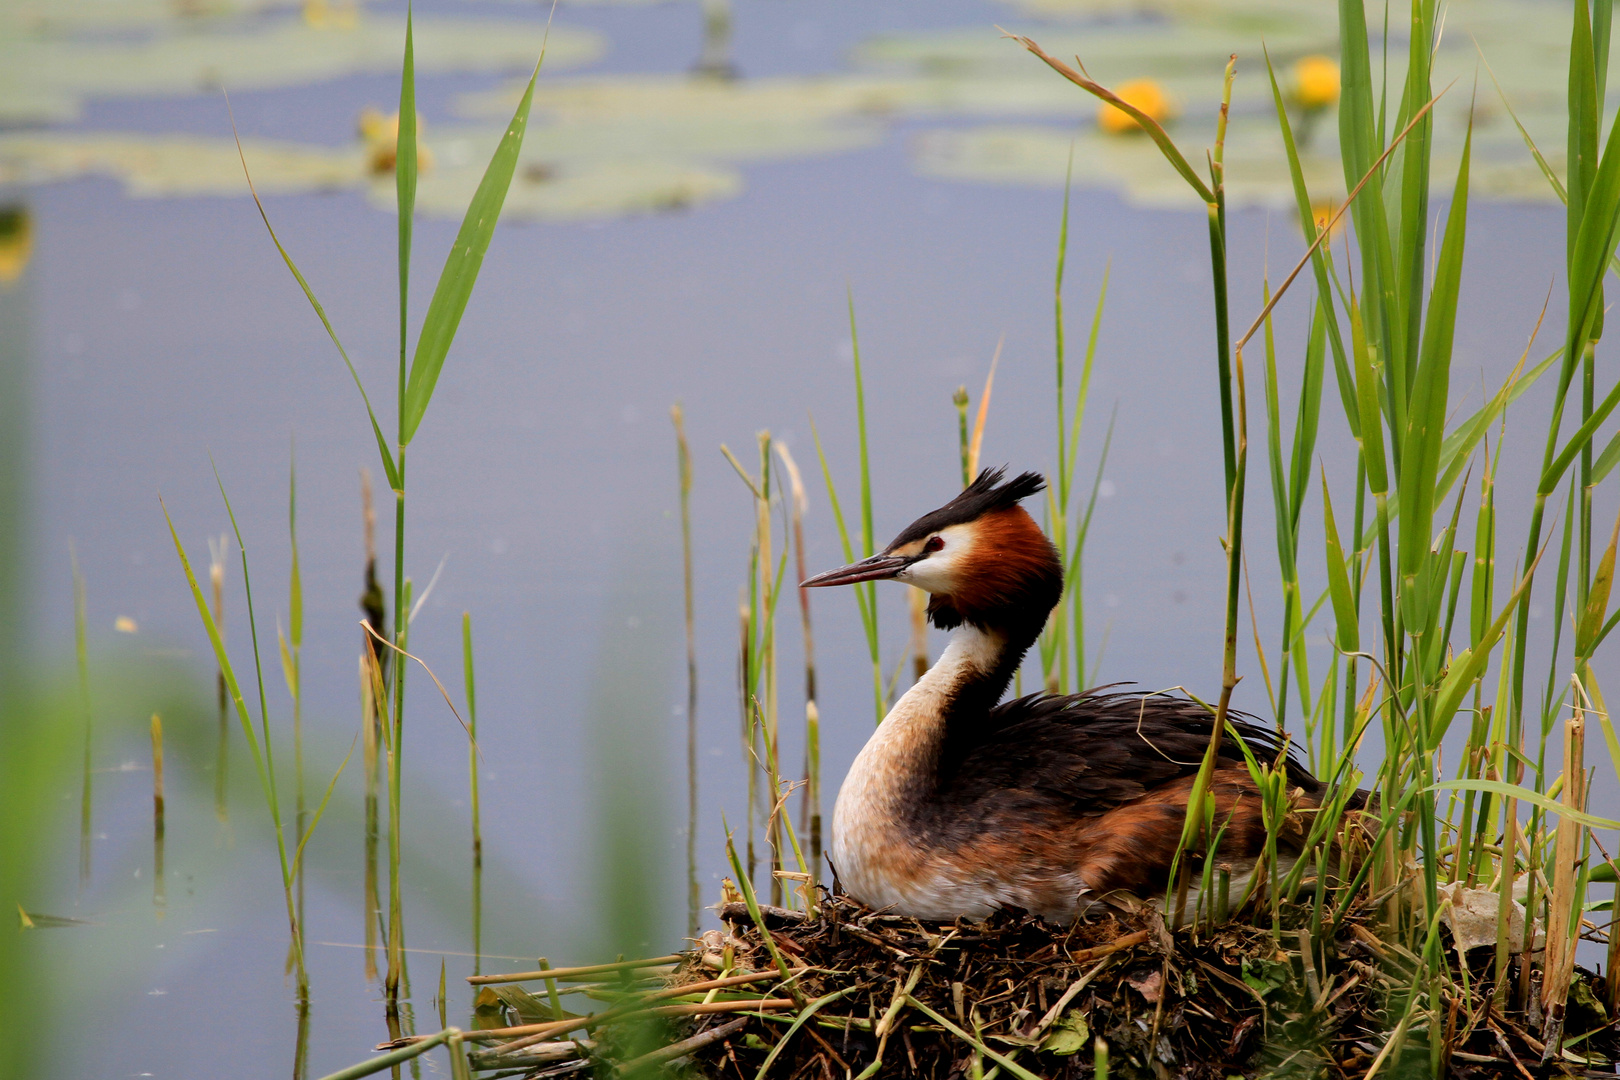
[(1097, 783), (1095, 751)]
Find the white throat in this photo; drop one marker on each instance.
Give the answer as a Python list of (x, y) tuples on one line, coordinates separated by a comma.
[(871, 846)]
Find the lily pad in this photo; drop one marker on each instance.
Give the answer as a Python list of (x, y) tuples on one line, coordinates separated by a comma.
[(45, 79)]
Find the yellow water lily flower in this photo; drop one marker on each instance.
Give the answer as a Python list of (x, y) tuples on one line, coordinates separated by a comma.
[(1144, 94), (381, 136), (1316, 82)]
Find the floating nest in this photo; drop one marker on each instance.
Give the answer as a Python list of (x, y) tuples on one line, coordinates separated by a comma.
[(873, 994)]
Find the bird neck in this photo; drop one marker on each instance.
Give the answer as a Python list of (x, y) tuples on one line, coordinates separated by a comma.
[(967, 680)]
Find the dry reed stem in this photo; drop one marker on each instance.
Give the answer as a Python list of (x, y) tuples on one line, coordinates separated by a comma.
[(685, 1046), (569, 974), (1559, 964), (533, 1033), (983, 413), (810, 806)]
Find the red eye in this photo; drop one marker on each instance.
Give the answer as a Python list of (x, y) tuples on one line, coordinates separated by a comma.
[(935, 543)]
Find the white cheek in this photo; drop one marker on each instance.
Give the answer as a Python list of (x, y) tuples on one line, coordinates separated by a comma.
[(938, 572)]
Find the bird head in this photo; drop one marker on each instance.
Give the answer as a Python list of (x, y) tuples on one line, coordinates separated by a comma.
[(981, 556)]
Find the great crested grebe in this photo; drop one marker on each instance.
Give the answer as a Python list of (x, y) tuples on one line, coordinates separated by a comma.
[(958, 805)]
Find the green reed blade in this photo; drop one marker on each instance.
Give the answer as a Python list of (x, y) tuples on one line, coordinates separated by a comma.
[(799, 1021), (405, 170), (470, 682), (867, 549), (1359, 149), (82, 655), (1000, 1059), (253, 636), (1470, 664), (1372, 429), (1597, 600), (392, 1058), (1479, 615), (1274, 455), (1061, 494), (291, 647), (1430, 389), (1535, 798), (1591, 251), (1319, 257), (1344, 607), (320, 809), (289, 671), (461, 267), (747, 887), (1585, 119), (1309, 414), (868, 613), (261, 756), (1408, 222), (1458, 446), (389, 467), (1084, 393), (295, 580)]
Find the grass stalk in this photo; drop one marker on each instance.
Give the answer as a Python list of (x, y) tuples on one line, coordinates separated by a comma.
[(683, 459), (291, 644), (216, 582), (810, 804), (159, 897), (470, 680), (868, 589), (82, 654), (263, 752), (373, 705)]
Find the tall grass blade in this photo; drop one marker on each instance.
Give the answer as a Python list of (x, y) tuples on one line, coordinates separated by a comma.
[(389, 466), (405, 171), (461, 268), (470, 682), (262, 757)]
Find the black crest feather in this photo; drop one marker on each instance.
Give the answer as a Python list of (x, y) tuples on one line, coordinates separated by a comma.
[(985, 494)]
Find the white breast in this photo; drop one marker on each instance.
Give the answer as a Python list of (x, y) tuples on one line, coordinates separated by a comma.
[(879, 861)]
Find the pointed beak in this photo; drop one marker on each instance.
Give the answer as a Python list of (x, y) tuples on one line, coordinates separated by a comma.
[(876, 568)]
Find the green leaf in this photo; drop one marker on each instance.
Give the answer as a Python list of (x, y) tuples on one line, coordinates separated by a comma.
[(1597, 599), (1535, 798), (1470, 664), (1068, 1036), (1426, 414), (223, 659), (1266, 976), (1372, 428), (1344, 607), (295, 584), (461, 268), (1455, 451), (1319, 257), (315, 819), (289, 670), (1606, 461)]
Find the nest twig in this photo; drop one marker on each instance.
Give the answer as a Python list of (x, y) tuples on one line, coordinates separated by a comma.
[(876, 994)]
